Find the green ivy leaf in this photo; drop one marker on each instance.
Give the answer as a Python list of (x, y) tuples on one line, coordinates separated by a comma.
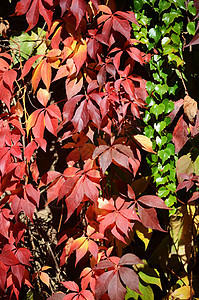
[(177, 28), (157, 109), (165, 41), (161, 89), (169, 106), (160, 126), (175, 38), (168, 18), (138, 4), (191, 28), (191, 8), (163, 5), (161, 140), (150, 87), (155, 33), (149, 131), (164, 154), (171, 187), (163, 192), (170, 201)]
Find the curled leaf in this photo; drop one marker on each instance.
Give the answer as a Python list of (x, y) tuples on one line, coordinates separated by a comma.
[(190, 108)]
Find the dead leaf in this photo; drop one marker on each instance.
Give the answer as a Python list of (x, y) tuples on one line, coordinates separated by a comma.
[(4, 26), (144, 142), (190, 108)]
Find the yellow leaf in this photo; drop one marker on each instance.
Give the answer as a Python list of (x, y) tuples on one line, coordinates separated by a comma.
[(183, 293), (143, 233), (144, 142)]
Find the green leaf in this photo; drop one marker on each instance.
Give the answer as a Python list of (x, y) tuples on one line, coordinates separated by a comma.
[(172, 89), (163, 5), (150, 276), (172, 187), (165, 41), (175, 38), (149, 131), (164, 154), (157, 109), (191, 8), (163, 192), (170, 201), (150, 101), (171, 148), (177, 28), (155, 33), (176, 58), (161, 89), (169, 106), (160, 126), (150, 87), (131, 294), (168, 49), (147, 117), (168, 18), (160, 180), (147, 292), (172, 175), (137, 5), (191, 28)]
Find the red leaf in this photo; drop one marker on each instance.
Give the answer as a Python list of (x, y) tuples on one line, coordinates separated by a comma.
[(116, 290), (32, 193), (130, 278), (4, 225), (18, 271), (9, 77), (81, 117), (28, 65), (149, 218), (105, 160), (129, 259), (3, 273), (102, 284), (71, 285), (152, 201), (78, 8), (46, 74), (180, 134), (8, 258), (23, 256)]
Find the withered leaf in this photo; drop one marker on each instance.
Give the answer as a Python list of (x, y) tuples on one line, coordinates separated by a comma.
[(190, 108)]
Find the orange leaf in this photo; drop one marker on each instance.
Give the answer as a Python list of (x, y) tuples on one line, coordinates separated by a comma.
[(144, 142), (44, 278), (36, 77), (46, 74), (80, 55)]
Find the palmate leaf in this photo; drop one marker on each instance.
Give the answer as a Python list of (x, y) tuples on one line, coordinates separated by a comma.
[(34, 8), (117, 274), (118, 217), (81, 185)]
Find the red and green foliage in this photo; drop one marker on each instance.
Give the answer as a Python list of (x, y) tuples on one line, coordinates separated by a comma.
[(81, 101)]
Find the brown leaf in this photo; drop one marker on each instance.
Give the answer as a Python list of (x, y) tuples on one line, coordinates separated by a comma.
[(4, 26), (190, 108)]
